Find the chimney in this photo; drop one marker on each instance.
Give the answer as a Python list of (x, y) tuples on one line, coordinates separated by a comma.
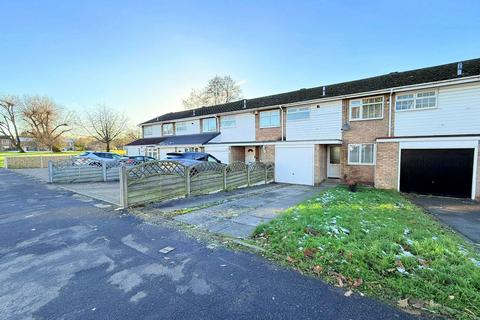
[(459, 69), (244, 103), (323, 91)]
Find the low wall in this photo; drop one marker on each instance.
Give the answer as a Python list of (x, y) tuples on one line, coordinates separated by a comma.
[(26, 162)]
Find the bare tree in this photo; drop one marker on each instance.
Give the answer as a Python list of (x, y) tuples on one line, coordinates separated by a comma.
[(218, 90), (46, 121), (105, 124), (10, 117)]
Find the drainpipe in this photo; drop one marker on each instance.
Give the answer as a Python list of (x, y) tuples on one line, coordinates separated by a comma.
[(281, 121), (390, 114)]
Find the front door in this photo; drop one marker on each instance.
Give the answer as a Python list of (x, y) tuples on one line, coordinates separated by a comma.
[(249, 154), (333, 165)]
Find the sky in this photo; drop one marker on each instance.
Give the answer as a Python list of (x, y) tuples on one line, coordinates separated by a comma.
[(143, 57)]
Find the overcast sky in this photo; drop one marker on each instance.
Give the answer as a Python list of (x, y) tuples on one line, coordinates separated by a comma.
[(143, 57)]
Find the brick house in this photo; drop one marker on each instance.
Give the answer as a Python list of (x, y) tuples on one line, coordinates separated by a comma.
[(414, 131)]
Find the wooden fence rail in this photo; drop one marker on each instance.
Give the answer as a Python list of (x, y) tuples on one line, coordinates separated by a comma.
[(165, 180)]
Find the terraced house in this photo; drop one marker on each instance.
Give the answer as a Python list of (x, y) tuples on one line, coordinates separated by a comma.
[(414, 131)]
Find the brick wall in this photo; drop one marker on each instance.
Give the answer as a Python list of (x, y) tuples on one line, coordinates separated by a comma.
[(237, 154), (362, 132), (268, 134), (267, 153), (320, 163), (386, 170)]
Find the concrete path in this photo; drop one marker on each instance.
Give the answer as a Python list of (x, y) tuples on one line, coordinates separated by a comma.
[(240, 213), (103, 191), (62, 257), (462, 215)]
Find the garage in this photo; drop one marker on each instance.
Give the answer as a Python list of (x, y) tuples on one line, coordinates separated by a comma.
[(441, 172), (294, 164), (219, 152)]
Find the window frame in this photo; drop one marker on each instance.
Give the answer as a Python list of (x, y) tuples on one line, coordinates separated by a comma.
[(150, 130), (209, 119), (361, 106), (270, 115), (163, 129), (299, 110), (231, 119), (360, 163), (415, 97), (183, 124)]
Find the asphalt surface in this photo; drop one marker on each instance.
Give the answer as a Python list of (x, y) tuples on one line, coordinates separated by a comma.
[(62, 257), (462, 215)]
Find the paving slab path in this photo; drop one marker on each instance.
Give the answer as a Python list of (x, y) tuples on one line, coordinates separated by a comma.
[(64, 256)]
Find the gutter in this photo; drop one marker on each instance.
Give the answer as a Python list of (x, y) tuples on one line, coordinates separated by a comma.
[(282, 122), (390, 113)]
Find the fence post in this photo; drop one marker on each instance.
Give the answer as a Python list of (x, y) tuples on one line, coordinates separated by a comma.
[(104, 171), (225, 178), (50, 171), (5, 163), (266, 173), (187, 181), (123, 186), (41, 162), (248, 175)]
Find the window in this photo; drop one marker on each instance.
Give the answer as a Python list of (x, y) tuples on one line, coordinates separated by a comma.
[(420, 100), (227, 122), (180, 127), (147, 131), (361, 153), (209, 125), (298, 113), (366, 109), (270, 119), (167, 129)]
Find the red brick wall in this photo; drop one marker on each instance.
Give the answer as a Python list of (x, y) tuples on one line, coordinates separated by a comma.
[(386, 170), (268, 134), (320, 165), (267, 153)]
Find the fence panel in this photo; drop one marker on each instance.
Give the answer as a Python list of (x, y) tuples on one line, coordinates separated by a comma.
[(75, 170), (155, 181), (237, 175), (270, 171), (257, 173), (206, 177), (27, 162)]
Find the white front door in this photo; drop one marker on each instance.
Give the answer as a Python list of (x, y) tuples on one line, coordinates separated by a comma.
[(249, 154), (333, 165)]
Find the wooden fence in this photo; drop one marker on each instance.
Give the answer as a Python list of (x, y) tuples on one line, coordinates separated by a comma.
[(76, 170), (165, 180), (26, 162)]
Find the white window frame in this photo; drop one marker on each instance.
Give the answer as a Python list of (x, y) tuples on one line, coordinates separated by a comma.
[(163, 129), (269, 113), (415, 97), (147, 131), (360, 163), (207, 120), (181, 127), (299, 110), (361, 105), (228, 122)]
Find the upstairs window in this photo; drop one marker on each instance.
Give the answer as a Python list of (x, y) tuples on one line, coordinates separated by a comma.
[(147, 131), (167, 129), (361, 154), (209, 125), (366, 109), (270, 119), (302, 113), (228, 122), (180, 127), (420, 100)]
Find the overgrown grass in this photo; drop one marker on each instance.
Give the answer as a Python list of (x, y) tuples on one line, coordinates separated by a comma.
[(43, 153), (378, 243)]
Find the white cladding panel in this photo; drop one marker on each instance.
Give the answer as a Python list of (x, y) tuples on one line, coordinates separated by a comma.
[(243, 130), (133, 150), (294, 164), (325, 122), (156, 131), (457, 112), (192, 127), (219, 152)]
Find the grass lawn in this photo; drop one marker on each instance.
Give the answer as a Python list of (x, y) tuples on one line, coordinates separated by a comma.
[(378, 243), (43, 153)]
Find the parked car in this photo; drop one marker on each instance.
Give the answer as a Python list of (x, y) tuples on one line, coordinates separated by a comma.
[(133, 160), (96, 158), (190, 158)]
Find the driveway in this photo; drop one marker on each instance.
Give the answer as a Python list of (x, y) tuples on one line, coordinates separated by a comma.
[(461, 215), (237, 213), (62, 256)]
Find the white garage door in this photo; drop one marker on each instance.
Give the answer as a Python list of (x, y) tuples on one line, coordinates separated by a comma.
[(132, 151), (294, 164), (164, 151), (219, 152)]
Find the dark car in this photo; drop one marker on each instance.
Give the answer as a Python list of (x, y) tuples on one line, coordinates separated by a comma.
[(133, 160), (190, 158)]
